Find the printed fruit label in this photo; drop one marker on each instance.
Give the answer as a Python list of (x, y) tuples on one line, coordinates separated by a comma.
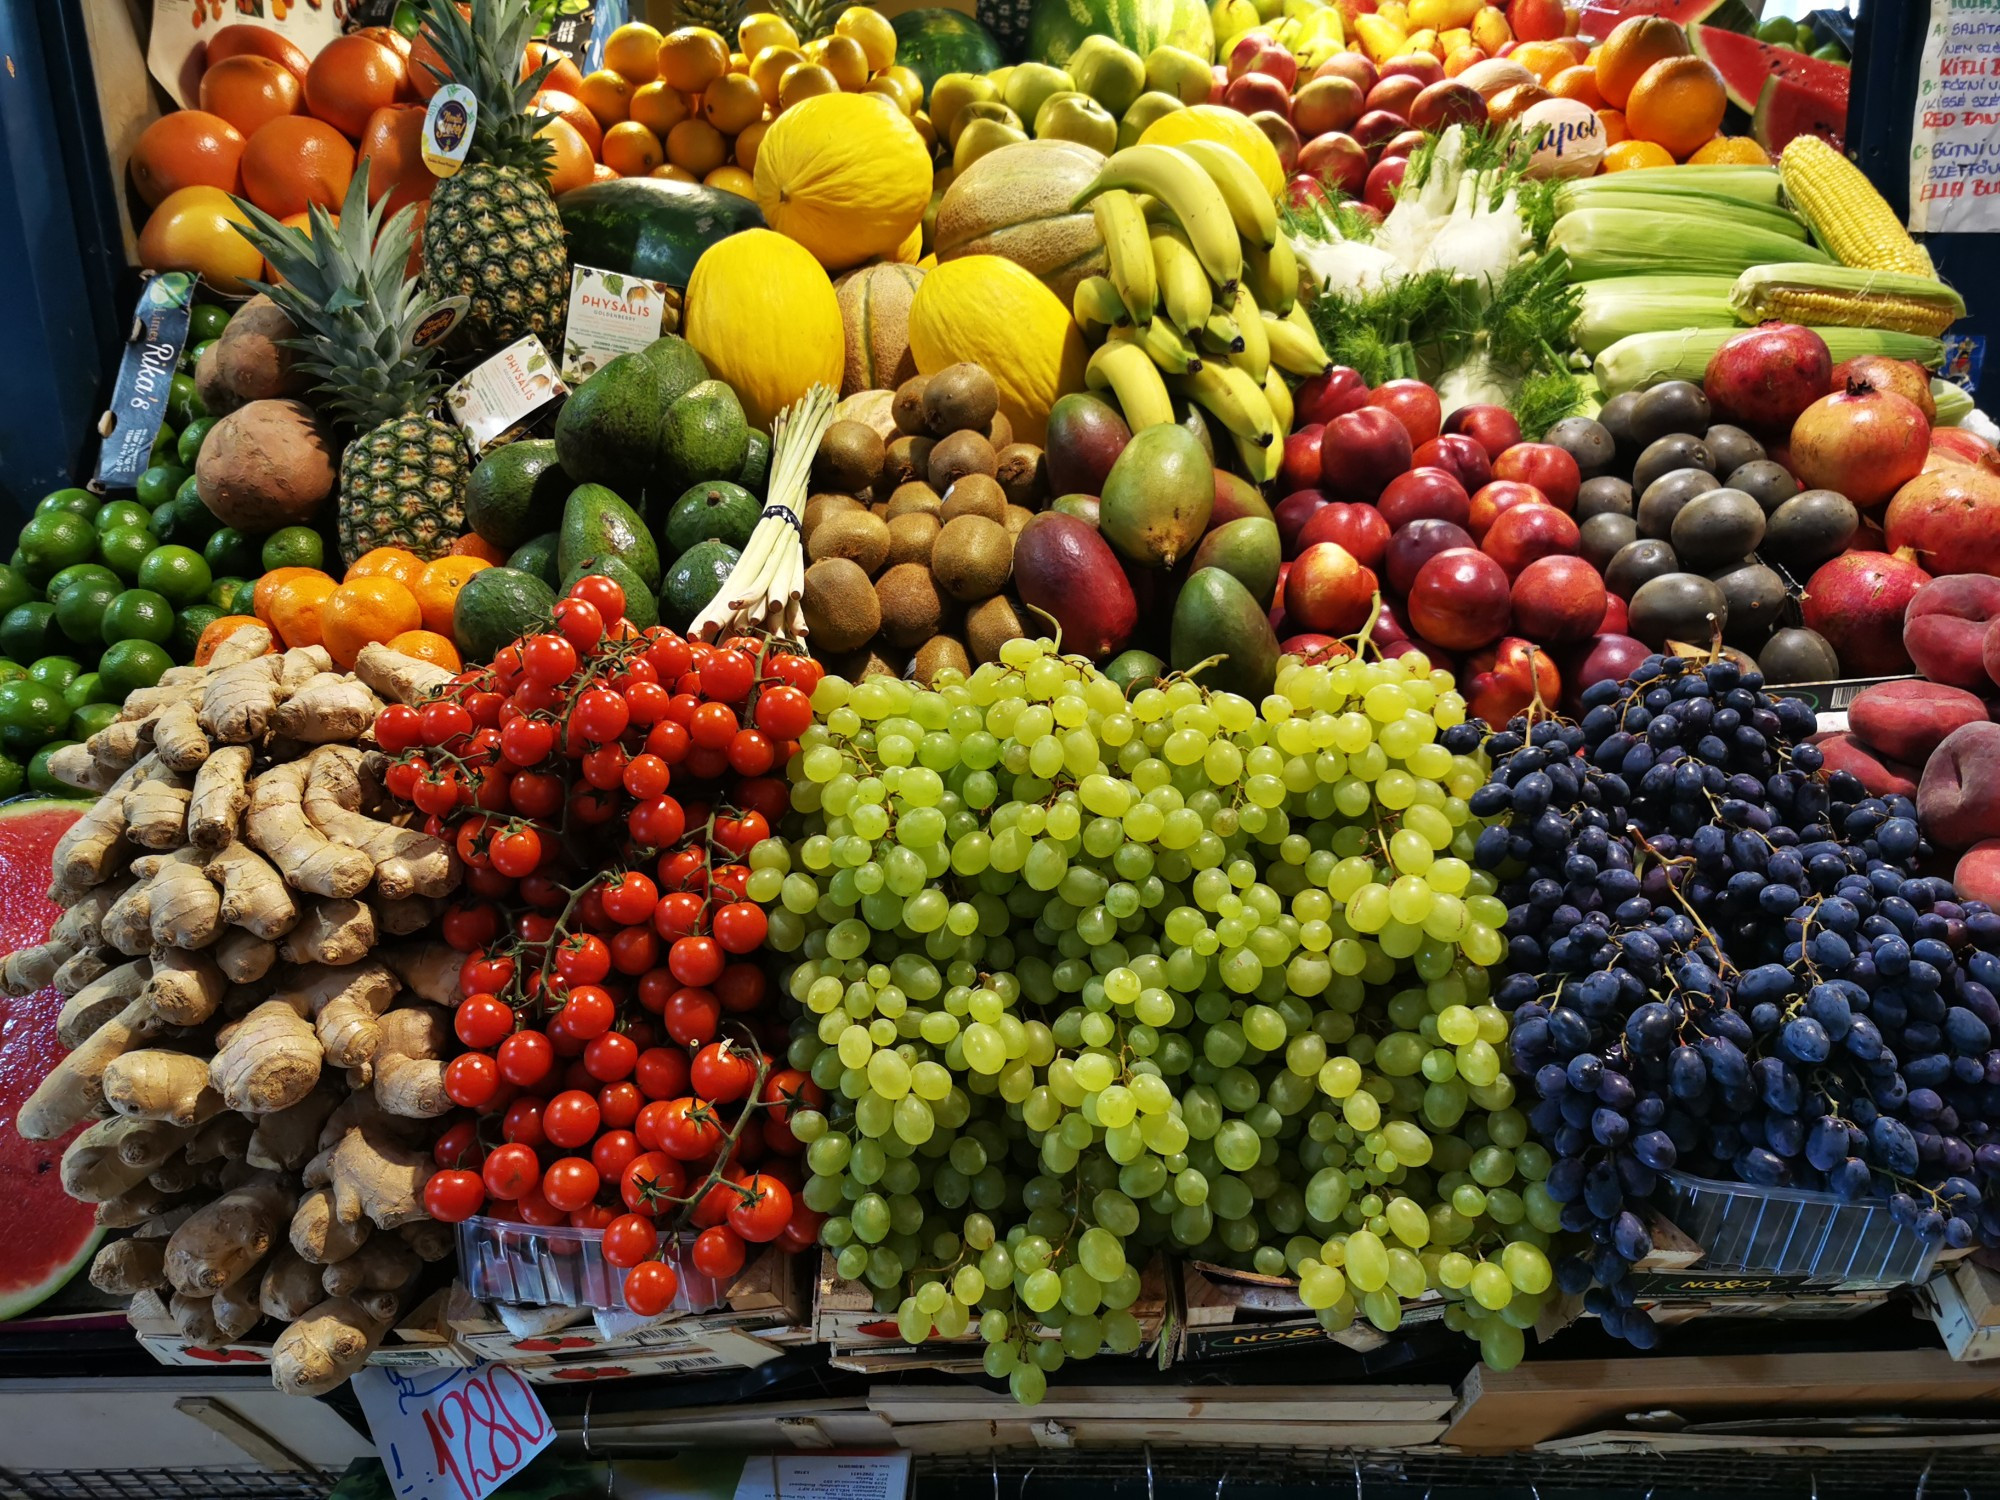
[(609, 314), (505, 391), (448, 128)]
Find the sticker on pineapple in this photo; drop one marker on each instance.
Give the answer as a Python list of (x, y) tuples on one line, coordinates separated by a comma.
[(437, 327), (609, 314), (505, 392), (448, 129)]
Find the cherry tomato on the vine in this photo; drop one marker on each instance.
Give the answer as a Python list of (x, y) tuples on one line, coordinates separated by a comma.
[(398, 728), (634, 950), (547, 660), (707, 763), (469, 927), (471, 1079), (727, 676), (601, 714), (536, 794), (669, 740), (723, 1072), (458, 1145), (525, 1123), (439, 791), (536, 1209), (443, 722), (690, 1129), (517, 852), (401, 780), (629, 1239), (784, 713), (801, 672), (718, 1253), (527, 742), (535, 927), (646, 776), (650, 1287), (579, 623), (713, 726), (696, 960), (604, 767), (611, 1056), (741, 988), (787, 1091), (629, 897), (589, 1011), (619, 1104), (583, 958), (589, 804), (593, 1216), (646, 701), (525, 1058), (677, 914), (669, 655), (543, 893), (611, 1152), (454, 1195), (483, 975), (656, 823), (650, 1180), (739, 927), (570, 1119), (762, 1209), (569, 1183), (483, 1021), (751, 753), (661, 1073), (767, 796), (475, 836), (692, 1015), (684, 870), (603, 594), (510, 1170)]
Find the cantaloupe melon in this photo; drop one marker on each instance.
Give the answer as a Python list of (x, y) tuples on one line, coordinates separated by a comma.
[(1015, 203), (875, 312), (762, 314), (996, 314), (844, 177)]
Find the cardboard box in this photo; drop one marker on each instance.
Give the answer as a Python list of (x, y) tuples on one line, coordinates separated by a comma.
[(1964, 1301), (1225, 1313)]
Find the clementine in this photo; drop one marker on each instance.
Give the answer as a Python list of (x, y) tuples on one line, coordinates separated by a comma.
[(1677, 103), (294, 161), (1615, 129), (298, 608), (428, 645), (571, 166), (474, 545), (368, 609), (668, 173), (631, 150), (352, 77), (189, 148), (194, 229), (269, 584), (398, 563), (250, 91), (1626, 155), (392, 145), (243, 40), (697, 146), (438, 585)]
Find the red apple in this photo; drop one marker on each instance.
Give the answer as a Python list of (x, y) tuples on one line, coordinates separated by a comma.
[(1409, 143), (1559, 599), (1458, 456), (1492, 427), (1376, 126), (1328, 590), (1448, 102), (1526, 533), (1302, 192), (1460, 599), (1292, 513), (1413, 403), (1352, 66), (1548, 468), (1315, 649), (1247, 48), (1256, 91), (1324, 104), (1361, 451), (1383, 180), (1617, 615), (1489, 500), (1396, 92), (1502, 681), (1368, 212), (1536, 20), (1321, 398), (1424, 495), (1337, 160), (1279, 131), (1300, 467), (1418, 65), (1415, 544), (1358, 528)]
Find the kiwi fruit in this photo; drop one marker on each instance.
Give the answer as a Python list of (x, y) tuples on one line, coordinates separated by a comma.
[(1023, 474), (912, 497), (858, 535), (974, 495), (1015, 519), (823, 507), (908, 407), (1000, 431), (990, 625), (958, 455), (911, 536), (936, 655), (972, 558), (840, 605), (959, 398), (850, 458), (910, 607), (905, 459), (866, 662)]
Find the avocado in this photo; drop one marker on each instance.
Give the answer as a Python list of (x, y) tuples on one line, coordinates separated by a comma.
[(494, 607), (537, 555), (676, 365), (703, 436), (693, 580), (596, 523), (640, 606), (756, 470), (516, 492), (713, 511), (606, 431)]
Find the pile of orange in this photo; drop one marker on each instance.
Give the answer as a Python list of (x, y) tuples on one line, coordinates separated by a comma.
[(389, 595), (1660, 104)]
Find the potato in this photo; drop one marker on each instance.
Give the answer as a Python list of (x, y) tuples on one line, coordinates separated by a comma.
[(1908, 720), (249, 357), (1959, 796), (265, 466), (1878, 776)]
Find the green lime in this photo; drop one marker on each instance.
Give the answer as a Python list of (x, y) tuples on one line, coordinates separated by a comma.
[(11, 670), (157, 485), (41, 779), (138, 615), (86, 688), (177, 572), (80, 610), (191, 359), (184, 521), (245, 602), (293, 547), (12, 777), (77, 573), (123, 548), (29, 632), (188, 626), (206, 321), (57, 672), (14, 588), (188, 447), (79, 502), (131, 665), (222, 593), (229, 551), (54, 541), (122, 513), (31, 714), (85, 719), (166, 444), (184, 402)]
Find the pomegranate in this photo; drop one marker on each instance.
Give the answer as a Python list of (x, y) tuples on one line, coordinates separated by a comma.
[(1863, 442), (1766, 376), (1857, 602), (1905, 377), (1949, 517), (1959, 444)]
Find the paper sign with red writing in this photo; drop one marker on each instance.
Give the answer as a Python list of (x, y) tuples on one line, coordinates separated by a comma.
[(452, 1434), (609, 314)]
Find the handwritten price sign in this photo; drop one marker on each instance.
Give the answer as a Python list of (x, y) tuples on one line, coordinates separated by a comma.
[(452, 1435)]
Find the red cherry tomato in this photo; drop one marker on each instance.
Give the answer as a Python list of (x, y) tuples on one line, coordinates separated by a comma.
[(650, 1288), (739, 927), (646, 776), (629, 898), (438, 793), (454, 1195), (634, 950), (583, 958), (483, 1021), (535, 794), (444, 722), (751, 753), (510, 1170), (650, 1181), (527, 742), (547, 660), (588, 1012), (695, 960), (741, 988), (691, 1014), (458, 1145), (471, 1079), (480, 974), (517, 852), (604, 767), (669, 655), (722, 1072), (727, 675), (619, 1104), (657, 823), (522, 1124), (787, 1091), (713, 726), (398, 728), (677, 915), (601, 714), (570, 1182), (661, 1073), (570, 1119), (610, 1057), (762, 1209), (718, 1253), (589, 804), (601, 593), (802, 672), (784, 713), (536, 1209), (579, 623), (668, 738), (629, 1239), (645, 701), (525, 1058), (689, 1130), (592, 1216)]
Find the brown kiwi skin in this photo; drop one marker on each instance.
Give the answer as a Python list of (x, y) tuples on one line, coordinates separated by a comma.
[(958, 455), (850, 458), (991, 624), (1000, 432), (1015, 519), (974, 495), (822, 507), (858, 535), (937, 654), (911, 536), (908, 407), (842, 610), (973, 558), (1024, 474), (959, 398), (912, 497), (905, 459), (911, 608)]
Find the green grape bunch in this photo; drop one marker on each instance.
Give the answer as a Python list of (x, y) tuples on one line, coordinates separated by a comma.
[(1090, 977)]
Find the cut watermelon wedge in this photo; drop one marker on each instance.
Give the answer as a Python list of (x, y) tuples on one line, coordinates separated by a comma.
[(50, 1236), (1787, 109), (1747, 64)]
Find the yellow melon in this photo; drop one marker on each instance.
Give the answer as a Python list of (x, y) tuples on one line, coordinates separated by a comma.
[(1212, 122), (762, 314), (996, 314), (1015, 203), (844, 177), (875, 311)]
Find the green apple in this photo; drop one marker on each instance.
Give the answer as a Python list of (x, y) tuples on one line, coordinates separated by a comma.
[(1031, 83), (951, 93), (1176, 71), (1112, 74), (1071, 116), (977, 137), (1145, 109)]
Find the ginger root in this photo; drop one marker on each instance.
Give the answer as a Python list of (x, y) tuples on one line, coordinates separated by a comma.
[(236, 1308), (324, 1347), (308, 860), (407, 861), (221, 1242), (319, 1235), (128, 1265), (154, 1084), (270, 1060), (428, 970), (239, 702), (81, 970), (243, 957), (195, 1318), (333, 932), (94, 845), (286, 1139), (156, 810), (30, 969), (183, 908), (184, 988), (225, 1137), (331, 707), (74, 765), (384, 1264), (254, 896), (373, 1174), (141, 1205), (221, 793), (74, 1089), (411, 914), (244, 643), (399, 678), (345, 1004), (431, 1240), (95, 1168), (177, 736), (409, 1062)]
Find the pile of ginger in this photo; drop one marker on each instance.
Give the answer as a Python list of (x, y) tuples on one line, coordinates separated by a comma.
[(256, 1023)]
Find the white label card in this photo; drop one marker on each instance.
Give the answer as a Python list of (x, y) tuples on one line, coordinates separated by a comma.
[(610, 313), (504, 391), (452, 1435)]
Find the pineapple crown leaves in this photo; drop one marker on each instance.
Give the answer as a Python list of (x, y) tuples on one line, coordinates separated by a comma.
[(343, 285), (483, 52)]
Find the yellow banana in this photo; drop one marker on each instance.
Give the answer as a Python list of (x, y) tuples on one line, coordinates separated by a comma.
[(1255, 356), (1123, 228), (1251, 209), (1097, 307), (1129, 372), (1180, 183), (1273, 275), (1280, 396), (1260, 463), (1220, 335), (1166, 347), (1233, 399), (1294, 350), (1183, 284)]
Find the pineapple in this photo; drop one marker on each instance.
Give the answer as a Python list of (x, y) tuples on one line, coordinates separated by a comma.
[(811, 19), (402, 478), (719, 16), (493, 234)]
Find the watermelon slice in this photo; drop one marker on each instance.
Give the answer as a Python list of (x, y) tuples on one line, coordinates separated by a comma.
[(50, 1236), (1787, 109), (1747, 64)]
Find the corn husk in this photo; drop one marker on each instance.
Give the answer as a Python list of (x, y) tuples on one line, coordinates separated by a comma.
[(1755, 288), (1619, 306), (1746, 184), (1646, 359), (1635, 242), (1953, 402), (1709, 208)]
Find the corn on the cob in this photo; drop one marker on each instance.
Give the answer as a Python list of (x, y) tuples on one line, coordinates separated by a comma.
[(1847, 215), (1633, 242), (1749, 184), (1620, 306), (1646, 359), (1710, 208), (1846, 295), (1953, 403)]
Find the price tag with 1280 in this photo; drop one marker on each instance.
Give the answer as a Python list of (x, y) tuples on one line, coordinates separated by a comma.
[(452, 1434)]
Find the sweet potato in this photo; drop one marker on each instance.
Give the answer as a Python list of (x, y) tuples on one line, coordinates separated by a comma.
[(1908, 720), (267, 465), (1959, 797), (1880, 776)]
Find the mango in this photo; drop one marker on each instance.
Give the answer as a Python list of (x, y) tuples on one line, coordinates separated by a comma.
[(1084, 507), (1235, 498), (1085, 437), (1135, 669), (1248, 551), (1064, 569), (1158, 496), (1218, 623)]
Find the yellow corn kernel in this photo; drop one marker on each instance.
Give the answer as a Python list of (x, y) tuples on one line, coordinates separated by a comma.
[(1847, 215), (1846, 296)]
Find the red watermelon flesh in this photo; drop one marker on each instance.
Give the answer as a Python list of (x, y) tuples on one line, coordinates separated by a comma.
[(1747, 64), (1787, 109), (50, 1236)]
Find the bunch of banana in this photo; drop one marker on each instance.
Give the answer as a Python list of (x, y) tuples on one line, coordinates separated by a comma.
[(1201, 298)]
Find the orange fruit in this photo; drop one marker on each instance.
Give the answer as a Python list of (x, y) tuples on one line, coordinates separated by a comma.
[(633, 52), (474, 545), (398, 563), (804, 81), (368, 609), (733, 179), (269, 584), (241, 40), (1615, 128), (392, 145), (352, 77), (733, 104), (302, 223), (298, 607), (1731, 150), (631, 150), (568, 107), (216, 631), (1634, 45), (194, 229), (1626, 155), (1677, 103), (564, 77), (250, 91), (748, 139), (1579, 83), (294, 161), (607, 96), (389, 37), (761, 29), (602, 173), (843, 58), (659, 107), (672, 173), (872, 30), (697, 146), (692, 58), (438, 585), (572, 164), (767, 69), (427, 645), (189, 148)]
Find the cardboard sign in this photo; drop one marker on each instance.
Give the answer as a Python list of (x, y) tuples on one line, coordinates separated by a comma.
[(455, 1436), (177, 47), (610, 313), (145, 379), (505, 391)]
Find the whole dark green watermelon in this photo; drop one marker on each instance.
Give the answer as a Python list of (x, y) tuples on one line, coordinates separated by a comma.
[(936, 42), (650, 227), (1058, 27)]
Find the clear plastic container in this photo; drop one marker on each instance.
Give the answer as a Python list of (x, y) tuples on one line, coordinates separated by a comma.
[(500, 1261), (1793, 1232)]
